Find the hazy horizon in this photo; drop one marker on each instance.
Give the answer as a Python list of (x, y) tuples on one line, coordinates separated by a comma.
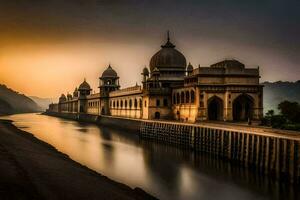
[(48, 48)]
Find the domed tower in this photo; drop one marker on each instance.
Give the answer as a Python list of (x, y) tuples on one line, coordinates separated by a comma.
[(69, 97), (84, 90), (169, 61), (61, 103), (62, 98), (167, 70), (145, 75), (75, 93), (109, 81), (189, 69)]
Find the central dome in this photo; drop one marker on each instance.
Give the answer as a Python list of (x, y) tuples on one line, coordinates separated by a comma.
[(168, 57)]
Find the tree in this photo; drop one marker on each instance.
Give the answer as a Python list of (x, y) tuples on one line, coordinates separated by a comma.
[(290, 110), (270, 113)]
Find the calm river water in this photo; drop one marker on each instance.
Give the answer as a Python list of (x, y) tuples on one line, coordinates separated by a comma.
[(161, 170)]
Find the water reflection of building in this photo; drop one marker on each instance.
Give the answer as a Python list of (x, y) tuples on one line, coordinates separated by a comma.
[(171, 89)]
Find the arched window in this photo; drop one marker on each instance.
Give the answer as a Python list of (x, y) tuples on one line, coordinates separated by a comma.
[(201, 104), (118, 104), (192, 96), (114, 104), (157, 102), (130, 103), (178, 98), (182, 97), (125, 103), (165, 102), (187, 97), (145, 103), (135, 103), (174, 99)]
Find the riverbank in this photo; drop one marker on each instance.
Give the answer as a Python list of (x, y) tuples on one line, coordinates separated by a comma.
[(33, 169)]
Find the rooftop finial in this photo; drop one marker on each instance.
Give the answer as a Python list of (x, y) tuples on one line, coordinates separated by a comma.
[(168, 43)]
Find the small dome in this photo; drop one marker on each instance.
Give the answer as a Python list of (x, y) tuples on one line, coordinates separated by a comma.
[(231, 63), (62, 98), (190, 68), (109, 73), (168, 57), (145, 71), (75, 93), (84, 86)]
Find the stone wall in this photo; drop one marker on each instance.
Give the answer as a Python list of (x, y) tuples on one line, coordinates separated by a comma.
[(270, 153), (132, 125), (114, 122)]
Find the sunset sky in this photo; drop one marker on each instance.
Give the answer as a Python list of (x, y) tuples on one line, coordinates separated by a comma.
[(49, 47)]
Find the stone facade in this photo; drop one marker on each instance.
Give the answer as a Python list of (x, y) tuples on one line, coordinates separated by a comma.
[(224, 91)]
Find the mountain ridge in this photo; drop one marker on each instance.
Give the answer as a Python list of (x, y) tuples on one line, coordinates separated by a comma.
[(12, 102), (276, 92), (43, 103)]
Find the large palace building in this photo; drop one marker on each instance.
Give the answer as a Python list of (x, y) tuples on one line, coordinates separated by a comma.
[(171, 89)]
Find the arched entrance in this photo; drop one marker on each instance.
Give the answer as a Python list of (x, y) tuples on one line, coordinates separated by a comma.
[(242, 108), (215, 108), (178, 115), (102, 111), (157, 115)]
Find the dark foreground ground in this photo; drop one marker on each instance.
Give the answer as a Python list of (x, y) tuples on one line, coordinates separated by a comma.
[(33, 169)]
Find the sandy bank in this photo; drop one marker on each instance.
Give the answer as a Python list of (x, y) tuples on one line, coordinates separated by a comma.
[(33, 169)]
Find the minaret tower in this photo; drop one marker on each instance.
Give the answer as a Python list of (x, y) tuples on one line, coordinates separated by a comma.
[(109, 81)]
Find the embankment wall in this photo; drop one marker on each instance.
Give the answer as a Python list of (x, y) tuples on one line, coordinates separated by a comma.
[(271, 153)]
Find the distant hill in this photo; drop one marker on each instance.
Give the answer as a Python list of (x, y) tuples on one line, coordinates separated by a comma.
[(43, 103), (276, 92), (13, 102)]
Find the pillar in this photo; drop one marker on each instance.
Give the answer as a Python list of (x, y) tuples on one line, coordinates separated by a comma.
[(291, 159), (267, 154)]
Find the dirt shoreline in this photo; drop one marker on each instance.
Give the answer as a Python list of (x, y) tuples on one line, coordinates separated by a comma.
[(33, 169)]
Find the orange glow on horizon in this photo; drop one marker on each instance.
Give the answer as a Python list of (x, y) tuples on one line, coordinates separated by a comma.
[(47, 70)]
